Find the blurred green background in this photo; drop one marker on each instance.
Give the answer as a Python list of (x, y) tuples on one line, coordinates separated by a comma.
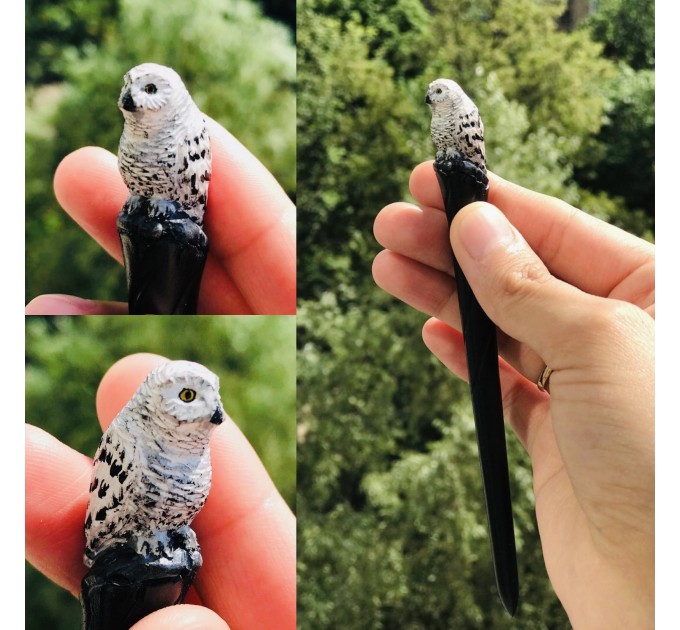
[(66, 357), (391, 522), (236, 60)]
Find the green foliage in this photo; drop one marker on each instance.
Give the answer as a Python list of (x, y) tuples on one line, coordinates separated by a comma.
[(362, 123), (398, 29), (513, 144), (53, 29), (619, 160), (48, 606), (430, 507), (351, 399), (626, 27), (238, 66), (66, 358), (352, 121), (391, 514), (281, 10), (554, 74)]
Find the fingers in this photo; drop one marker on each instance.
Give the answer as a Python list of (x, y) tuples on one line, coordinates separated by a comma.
[(420, 286), (88, 186), (247, 533), (57, 481), (183, 617), (94, 202), (419, 233), (246, 530), (250, 223), (538, 315), (55, 304), (418, 269), (219, 294), (434, 293), (582, 250)]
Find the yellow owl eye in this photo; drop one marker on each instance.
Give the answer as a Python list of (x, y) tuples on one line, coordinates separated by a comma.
[(150, 88), (187, 395)]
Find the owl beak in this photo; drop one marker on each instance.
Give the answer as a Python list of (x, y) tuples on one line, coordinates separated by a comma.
[(125, 102), (428, 100), (218, 416)]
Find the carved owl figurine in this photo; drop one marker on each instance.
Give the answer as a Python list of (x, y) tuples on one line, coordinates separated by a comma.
[(164, 151), (152, 469)]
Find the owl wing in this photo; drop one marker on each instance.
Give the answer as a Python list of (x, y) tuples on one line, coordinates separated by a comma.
[(193, 169), (111, 504)]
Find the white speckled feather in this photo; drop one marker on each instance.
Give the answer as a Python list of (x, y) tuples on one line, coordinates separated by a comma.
[(456, 125)]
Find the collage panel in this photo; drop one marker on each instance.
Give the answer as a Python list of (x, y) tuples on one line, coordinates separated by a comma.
[(417, 506), (230, 380), (160, 170), (152, 82)]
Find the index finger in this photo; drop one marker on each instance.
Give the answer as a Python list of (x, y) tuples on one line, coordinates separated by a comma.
[(576, 247)]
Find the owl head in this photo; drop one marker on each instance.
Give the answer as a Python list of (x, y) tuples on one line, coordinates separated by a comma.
[(151, 87), (187, 392), (444, 93)]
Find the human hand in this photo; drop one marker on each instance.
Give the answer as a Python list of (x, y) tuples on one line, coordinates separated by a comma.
[(572, 292), (246, 530), (249, 221)]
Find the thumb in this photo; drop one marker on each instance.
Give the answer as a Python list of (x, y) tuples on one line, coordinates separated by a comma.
[(182, 617), (517, 291)]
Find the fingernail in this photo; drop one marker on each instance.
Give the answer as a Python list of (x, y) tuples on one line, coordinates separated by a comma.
[(483, 230)]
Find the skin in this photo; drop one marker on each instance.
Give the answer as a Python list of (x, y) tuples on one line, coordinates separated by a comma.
[(246, 530), (572, 292), (249, 221)]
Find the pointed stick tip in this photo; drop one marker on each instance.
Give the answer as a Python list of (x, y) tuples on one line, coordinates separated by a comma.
[(510, 603)]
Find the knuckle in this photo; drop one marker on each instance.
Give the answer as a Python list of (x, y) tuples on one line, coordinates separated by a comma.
[(521, 279)]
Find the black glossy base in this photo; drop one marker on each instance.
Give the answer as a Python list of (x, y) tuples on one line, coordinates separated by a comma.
[(462, 183), (123, 586), (164, 252)]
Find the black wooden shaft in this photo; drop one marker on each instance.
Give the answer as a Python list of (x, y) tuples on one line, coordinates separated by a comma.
[(462, 183), (164, 252)]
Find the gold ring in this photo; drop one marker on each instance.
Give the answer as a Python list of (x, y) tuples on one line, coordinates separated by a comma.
[(543, 379)]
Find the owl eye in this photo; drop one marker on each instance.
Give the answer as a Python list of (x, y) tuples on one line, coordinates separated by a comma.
[(150, 88), (187, 395), (438, 90)]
